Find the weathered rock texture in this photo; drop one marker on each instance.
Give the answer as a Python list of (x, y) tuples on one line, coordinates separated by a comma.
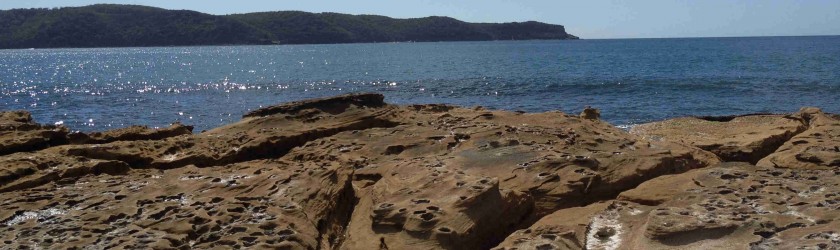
[(353, 172), (19, 133), (729, 206), (747, 138), (133, 133), (816, 148)]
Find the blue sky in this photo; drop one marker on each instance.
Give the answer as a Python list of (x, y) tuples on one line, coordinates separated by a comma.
[(587, 19)]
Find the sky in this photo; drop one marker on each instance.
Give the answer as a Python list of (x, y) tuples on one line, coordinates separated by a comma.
[(587, 19)]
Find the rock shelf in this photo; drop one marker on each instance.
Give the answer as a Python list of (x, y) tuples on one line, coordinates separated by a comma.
[(353, 172)]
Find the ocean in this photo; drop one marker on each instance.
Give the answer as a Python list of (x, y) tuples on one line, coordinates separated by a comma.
[(631, 81)]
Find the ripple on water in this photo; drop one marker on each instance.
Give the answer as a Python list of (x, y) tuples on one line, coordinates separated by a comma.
[(631, 81)]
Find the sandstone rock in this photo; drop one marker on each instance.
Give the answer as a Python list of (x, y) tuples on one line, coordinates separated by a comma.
[(333, 105), (252, 138), (18, 133), (816, 148), (590, 113), (132, 133), (565, 229), (17, 120), (352, 172), (27, 170), (258, 204), (733, 206), (747, 138), (455, 178)]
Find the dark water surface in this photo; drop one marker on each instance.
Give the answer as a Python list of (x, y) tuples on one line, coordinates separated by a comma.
[(631, 81)]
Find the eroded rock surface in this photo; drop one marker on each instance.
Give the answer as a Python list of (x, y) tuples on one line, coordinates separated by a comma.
[(260, 204), (747, 138), (18, 133), (730, 206), (132, 133), (353, 172), (458, 178), (816, 148)]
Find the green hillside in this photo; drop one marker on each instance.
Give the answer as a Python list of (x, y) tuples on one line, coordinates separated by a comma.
[(107, 25)]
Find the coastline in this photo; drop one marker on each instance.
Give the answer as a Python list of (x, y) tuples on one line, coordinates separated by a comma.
[(354, 172)]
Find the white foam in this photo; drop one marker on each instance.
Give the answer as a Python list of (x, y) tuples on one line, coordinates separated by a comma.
[(626, 127)]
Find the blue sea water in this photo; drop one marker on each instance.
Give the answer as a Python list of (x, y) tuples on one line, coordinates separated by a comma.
[(631, 80)]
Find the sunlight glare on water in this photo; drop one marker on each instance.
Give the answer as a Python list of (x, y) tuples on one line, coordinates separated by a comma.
[(631, 81)]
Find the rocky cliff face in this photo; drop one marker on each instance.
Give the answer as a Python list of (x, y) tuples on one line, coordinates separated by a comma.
[(353, 172)]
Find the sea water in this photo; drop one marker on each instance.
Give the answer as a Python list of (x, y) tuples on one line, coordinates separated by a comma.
[(631, 80)]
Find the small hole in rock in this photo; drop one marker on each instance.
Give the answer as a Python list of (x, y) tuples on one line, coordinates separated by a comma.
[(427, 216), (605, 232), (420, 201), (385, 205)]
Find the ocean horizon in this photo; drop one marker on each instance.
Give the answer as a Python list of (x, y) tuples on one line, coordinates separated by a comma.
[(632, 81)]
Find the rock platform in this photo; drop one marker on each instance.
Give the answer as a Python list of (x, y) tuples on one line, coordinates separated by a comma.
[(354, 172)]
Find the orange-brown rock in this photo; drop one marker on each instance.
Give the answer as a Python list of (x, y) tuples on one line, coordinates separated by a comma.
[(353, 172), (132, 133), (258, 204), (816, 148), (747, 138), (731, 206), (459, 178), (18, 133), (27, 170)]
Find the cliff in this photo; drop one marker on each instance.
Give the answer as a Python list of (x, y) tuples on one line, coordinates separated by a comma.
[(107, 25), (354, 172)]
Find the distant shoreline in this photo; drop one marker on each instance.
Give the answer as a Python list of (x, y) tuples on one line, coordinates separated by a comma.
[(300, 44), (424, 42), (111, 25), (712, 37)]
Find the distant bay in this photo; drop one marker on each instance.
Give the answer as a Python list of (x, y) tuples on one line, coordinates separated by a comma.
[(631, 81)]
